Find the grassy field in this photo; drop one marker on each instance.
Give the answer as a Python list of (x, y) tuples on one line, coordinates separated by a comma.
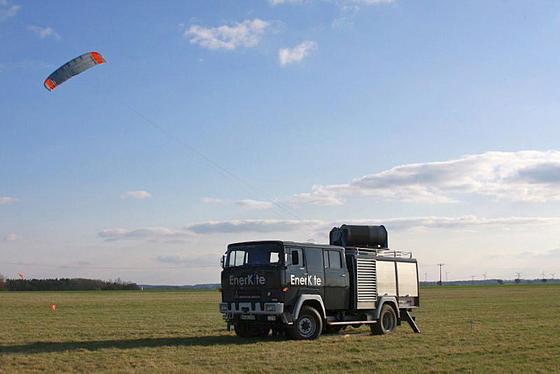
[(467, 329)]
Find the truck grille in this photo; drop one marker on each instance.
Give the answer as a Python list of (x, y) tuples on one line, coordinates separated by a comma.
[(366, 282), (243, 294)]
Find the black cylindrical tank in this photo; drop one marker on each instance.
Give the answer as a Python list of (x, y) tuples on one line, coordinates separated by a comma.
[(360, 236)]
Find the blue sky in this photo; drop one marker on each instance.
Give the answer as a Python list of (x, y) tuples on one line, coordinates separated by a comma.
[(222, 121)]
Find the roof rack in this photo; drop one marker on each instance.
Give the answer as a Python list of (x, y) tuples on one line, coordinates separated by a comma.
[(386, 252)]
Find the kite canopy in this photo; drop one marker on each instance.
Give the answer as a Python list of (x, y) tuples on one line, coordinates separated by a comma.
[(73, 67)]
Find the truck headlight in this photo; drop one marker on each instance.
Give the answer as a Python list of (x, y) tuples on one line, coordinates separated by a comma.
[(270, 308), (223, 308)]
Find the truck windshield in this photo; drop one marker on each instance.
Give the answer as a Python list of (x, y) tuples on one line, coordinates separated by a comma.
[(263, 254)]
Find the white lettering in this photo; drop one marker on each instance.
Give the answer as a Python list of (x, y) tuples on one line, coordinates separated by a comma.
[(310, 280), (247, 280)]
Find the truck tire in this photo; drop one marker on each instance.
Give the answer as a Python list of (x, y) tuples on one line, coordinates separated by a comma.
[(308, 325), (387, 322), (247, 330), (264, 331)]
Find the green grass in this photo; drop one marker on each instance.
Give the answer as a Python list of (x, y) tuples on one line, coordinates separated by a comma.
[(467, 329)]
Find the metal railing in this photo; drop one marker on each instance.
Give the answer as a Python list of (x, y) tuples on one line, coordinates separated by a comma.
[(386, 252), (392, 253)]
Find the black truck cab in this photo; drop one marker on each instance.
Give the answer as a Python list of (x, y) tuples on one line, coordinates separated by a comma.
[(302, 289)]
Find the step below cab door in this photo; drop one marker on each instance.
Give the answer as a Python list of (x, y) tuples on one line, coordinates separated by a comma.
[(337, 286)]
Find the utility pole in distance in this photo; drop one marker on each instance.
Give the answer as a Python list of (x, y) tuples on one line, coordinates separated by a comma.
[(440, 280)]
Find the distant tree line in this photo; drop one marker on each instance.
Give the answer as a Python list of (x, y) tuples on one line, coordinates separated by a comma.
[(65, 284)]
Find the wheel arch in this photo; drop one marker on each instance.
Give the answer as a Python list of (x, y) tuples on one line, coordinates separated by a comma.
[(392, 302), (315, 301)]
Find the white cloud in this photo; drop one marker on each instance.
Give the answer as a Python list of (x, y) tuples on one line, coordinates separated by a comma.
[(319, 195), (529, 176), (403, 223), (203, 228), (254, 204), (241, 226), (7, 200), (296, 54), (44, 32), (364, 2), (138, 195), (281, 2), (189, 261), (349, 9), (8, 10), (26, 65), (149, 233), (11, 237), (320, 228), (463, 222), (211, 200), (340, 3), (241, 34), (243, 203)]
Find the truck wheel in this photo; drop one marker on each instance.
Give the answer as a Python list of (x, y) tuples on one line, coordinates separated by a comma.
[(387, 322), (278, 331), (246, 330), (242, 329), (308, 326), (264, 331)]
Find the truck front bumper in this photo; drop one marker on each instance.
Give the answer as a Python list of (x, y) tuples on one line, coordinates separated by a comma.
[(268, 313), (251, 308)]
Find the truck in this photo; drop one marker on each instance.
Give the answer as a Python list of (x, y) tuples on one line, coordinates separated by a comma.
[(301, 290)]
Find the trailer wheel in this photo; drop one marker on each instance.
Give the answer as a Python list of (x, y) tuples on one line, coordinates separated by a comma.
[(308, 326), (387, 322)]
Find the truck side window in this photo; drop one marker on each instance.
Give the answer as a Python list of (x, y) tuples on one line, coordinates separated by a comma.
[(231, 258), (313, 258), (239, 258), (334, 260), (295, 257), (331, 259)]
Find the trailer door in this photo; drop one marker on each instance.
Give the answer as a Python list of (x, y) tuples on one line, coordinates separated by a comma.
[(386, 278), (408, 279)]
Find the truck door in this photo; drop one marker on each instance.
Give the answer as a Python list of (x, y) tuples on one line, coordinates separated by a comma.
[(314, 276), (336, 280), (295, 268)]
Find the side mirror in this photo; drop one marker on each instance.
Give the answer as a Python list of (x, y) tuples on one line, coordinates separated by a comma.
[(223, 261)]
